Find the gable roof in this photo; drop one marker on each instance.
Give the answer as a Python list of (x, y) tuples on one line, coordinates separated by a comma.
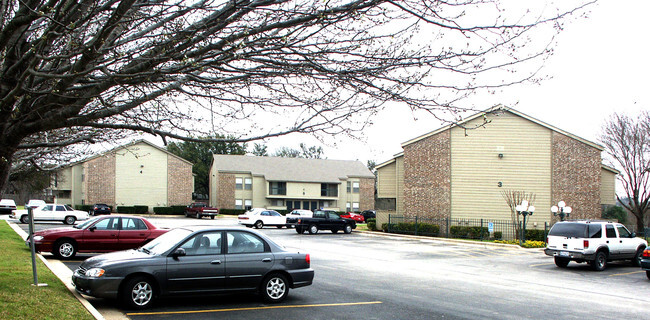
[(124, 146), (292, 169), (513, 111)]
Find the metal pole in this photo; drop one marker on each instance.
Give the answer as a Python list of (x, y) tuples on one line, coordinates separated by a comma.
[(31, 246)]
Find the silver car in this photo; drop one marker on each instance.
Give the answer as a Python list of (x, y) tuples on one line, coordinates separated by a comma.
[(192, 260)]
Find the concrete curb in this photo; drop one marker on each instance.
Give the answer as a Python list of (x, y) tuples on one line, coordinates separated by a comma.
[(63, 273), (445, 240)]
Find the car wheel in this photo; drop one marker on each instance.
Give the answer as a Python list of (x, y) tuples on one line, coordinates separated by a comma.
[(600, 262), (637, 257), (300, 230), (186, 215), (647, 274), (198, 215), (275, 288), (24, 219), (212, 217), (259, 224), (138, 293), (65, 249), (335, 230), (313, 229), (561, 262), (279, 227), (348, 229), (69, 220)]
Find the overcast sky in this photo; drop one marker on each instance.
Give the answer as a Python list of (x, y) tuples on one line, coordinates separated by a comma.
[(600, 66)]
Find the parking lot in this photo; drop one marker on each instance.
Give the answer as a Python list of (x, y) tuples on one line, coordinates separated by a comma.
[(363, 275)]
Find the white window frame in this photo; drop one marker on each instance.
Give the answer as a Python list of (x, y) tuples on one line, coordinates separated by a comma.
[(239, 183), (355, 187), (248, 184), (239, 204), (355, 206)]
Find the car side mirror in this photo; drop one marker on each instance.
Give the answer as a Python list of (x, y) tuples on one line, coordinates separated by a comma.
[(633, 235), (179, 253)]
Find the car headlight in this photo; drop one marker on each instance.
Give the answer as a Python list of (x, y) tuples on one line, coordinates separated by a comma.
[(95, 272), (38, 238)]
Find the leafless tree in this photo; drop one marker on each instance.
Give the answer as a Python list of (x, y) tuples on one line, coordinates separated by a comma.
[(514, 198), (627, 141), (80, 71)]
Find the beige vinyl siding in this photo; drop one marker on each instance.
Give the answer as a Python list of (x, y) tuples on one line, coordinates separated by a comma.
[(244, 194), (476, 168), (302, 190), (387, 181), (259, 192), (77, 187), (141, 176), (607, 187), (214, 180)]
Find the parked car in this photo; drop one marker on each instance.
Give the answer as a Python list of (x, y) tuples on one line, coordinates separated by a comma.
[(101, 234), (260, 217), (195, 261), (7, 206), (34, 203), (100, 208), (199, 210), (595, 242), (645, 261), (292, 217), (368, 214), (325, 220), (51, 212), (357, 217)]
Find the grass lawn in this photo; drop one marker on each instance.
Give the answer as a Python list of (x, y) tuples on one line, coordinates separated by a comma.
[(21, 300)]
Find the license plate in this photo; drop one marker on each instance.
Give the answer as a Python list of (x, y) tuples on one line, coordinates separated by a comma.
[(563, 254)]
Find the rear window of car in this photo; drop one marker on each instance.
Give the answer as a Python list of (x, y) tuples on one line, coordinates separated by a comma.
[(569, 230)]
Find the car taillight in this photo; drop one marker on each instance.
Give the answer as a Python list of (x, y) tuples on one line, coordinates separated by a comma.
[(547, 240), (646, 253), (243, 218), (585, 244), (308, 258)]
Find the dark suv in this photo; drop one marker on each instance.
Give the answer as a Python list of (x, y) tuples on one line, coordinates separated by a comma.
[(100, 208)]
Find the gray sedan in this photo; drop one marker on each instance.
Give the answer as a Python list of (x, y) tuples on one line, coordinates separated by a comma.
[(193, 260)]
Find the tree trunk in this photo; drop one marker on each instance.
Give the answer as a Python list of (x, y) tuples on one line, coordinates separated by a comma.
[(640, 221), (6, 154)]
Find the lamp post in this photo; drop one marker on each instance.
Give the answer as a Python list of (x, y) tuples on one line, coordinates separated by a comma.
[(525, 210), (561, 210)]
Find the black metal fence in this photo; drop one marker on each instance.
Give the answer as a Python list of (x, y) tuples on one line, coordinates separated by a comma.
[(479, 229)]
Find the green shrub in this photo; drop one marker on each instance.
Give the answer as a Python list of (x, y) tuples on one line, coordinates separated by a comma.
[(535, 235), (616, 213), (141, 209), (178, 209), (84, 207), (126, 209), (162, 210), (372, 224), (232, 212), (410, 228), (468, 232), (498, 235)]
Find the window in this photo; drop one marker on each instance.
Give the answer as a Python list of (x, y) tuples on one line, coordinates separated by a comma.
[(107, 224), (239, 182), (347, 206), (277, 188), (203, 244), (279, 203), (248, 204), (248, 184), (349, 187), (60, 208), (622, 231), (610, 231), (355, 206), (355, 187), (133, 224), (244, 242), (238, 204), (329, 190), (595, 231)]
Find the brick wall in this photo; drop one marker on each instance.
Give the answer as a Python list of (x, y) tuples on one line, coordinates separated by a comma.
[(226, 191), (99, 180), (427, 177), (576, 176), (179, 182), (367, 194)]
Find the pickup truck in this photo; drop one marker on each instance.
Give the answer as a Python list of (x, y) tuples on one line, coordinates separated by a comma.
[(325, 220), (200, 210)]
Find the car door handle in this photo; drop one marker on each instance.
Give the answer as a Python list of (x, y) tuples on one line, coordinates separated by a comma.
[(215, 262), (266, 260)]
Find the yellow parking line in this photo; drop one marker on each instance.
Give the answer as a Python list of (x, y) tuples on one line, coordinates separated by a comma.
[(253, 308), (624, 274)]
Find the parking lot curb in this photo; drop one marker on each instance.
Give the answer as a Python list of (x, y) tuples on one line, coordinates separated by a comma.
[(444, 240), (63, 273)]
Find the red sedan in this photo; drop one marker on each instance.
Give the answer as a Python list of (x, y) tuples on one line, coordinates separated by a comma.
[(103, 234), (354, 216)]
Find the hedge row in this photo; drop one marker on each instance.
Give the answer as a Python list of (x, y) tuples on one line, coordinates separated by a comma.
[(535, 235), (177, 210), (409, 227), (372, 224), (472, 233), (133, 209)]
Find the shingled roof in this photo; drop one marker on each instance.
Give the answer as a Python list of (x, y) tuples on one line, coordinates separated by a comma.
[(293, 169)]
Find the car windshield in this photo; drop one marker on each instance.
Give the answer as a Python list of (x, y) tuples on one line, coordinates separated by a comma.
[(166, 241), (86, 224), (569, 230)]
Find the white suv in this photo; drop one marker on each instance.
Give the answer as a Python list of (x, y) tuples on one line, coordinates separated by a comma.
[(596, 242)]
